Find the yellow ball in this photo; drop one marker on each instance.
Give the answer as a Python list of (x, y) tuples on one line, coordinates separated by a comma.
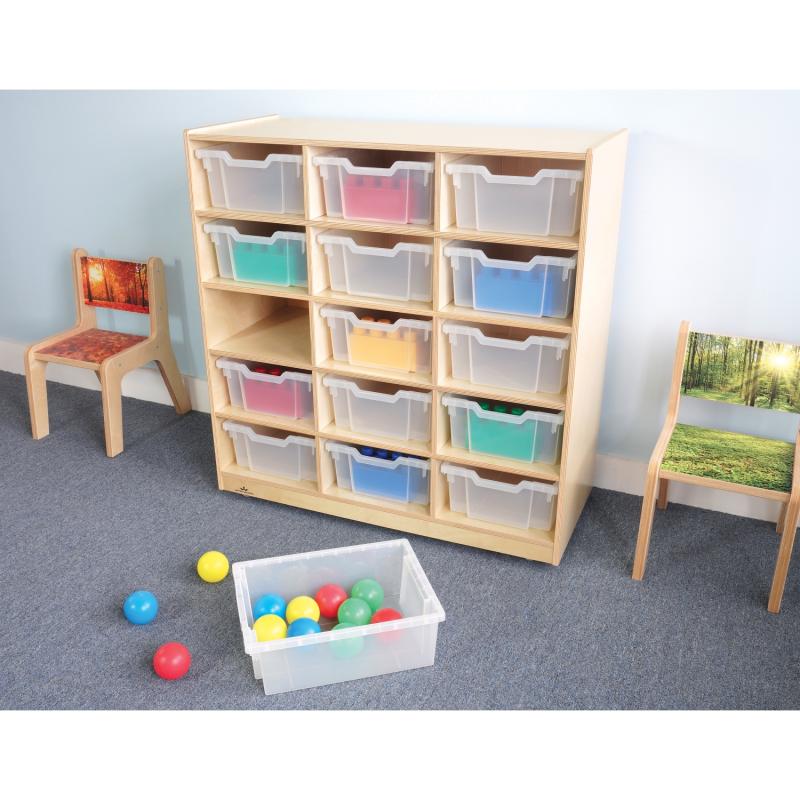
[(269, 627), (302, 607), (212, 566)]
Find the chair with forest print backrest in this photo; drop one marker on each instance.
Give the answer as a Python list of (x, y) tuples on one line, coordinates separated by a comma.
[(123, 286), (743, 372)]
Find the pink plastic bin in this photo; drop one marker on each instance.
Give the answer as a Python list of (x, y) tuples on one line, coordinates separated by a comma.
[(285, 395), (401, 192), (384, 198)]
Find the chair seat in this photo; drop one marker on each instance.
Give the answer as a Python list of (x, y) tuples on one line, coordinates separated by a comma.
[(735, 458), (91, 346)]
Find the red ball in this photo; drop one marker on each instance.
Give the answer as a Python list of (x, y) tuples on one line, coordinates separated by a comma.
[(172, 661), (329, 598), (386, 615)]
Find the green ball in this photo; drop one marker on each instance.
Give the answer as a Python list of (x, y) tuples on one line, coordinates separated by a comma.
[(370, 591), (347, 648), (355, 612)]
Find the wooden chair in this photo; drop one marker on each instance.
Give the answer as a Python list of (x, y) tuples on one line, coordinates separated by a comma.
[(708, 366), (121, 285)]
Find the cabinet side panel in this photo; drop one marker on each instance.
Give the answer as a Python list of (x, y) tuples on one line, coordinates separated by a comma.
[(198, 197), (605, 167)]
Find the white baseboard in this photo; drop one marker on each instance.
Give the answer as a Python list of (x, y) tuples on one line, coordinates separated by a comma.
[(143, 384), (611, 472)]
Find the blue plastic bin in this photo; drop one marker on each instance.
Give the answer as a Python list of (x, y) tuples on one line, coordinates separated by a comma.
[(540, 287), (378, 473)]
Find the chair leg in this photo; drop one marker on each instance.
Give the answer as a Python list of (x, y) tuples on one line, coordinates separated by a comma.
[(174, 382), (111, 388), (784, 557), (645, 526), (782, 518), (663, 493), (35, 378)]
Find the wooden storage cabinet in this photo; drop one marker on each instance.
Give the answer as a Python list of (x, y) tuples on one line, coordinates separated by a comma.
[(282, 325)]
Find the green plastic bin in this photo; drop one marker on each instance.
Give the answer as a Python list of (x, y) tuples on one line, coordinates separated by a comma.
[(279, 259), (523, 435)]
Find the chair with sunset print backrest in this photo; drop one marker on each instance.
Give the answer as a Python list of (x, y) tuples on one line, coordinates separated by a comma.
[(120, 285), (743, 372)]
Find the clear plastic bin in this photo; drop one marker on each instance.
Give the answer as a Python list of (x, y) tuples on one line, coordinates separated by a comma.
[(542, 286), (546, 203), (402, 272), (279, 259), (521, 504), (515, 433), (273, 184), (405, 479), (334, 656), (285, 395), (401, 415), (291, 457), (403, 345), (401, 191), (534, 364)]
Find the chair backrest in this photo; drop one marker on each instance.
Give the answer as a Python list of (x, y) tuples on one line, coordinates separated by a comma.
[(748, 372), (120, 285)]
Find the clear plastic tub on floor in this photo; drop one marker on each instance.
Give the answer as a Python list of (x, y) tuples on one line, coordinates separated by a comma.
[(402, 272), (539, 202), (331, 656), (534, 364), (290, 457), (274, 391), (403, 479), (403, 345), (400, 192), (517, 503), (402, 414), (279, 259), (511, 432), (542, 286), (273, 184)]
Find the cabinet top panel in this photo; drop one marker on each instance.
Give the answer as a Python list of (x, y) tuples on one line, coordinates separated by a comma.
[(421, 136)]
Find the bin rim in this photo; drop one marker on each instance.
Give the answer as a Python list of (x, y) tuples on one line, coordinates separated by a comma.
[(251, 163), (454, 168), (550, 489), (541, 260)]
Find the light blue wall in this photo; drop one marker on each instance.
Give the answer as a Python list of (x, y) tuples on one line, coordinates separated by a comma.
[(708, 228)]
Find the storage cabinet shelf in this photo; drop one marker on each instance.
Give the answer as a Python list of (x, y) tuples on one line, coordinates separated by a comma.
[(283, 325), (282, 337)]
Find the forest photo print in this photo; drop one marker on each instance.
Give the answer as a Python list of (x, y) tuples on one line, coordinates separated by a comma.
[(745, 372), (121, 285)]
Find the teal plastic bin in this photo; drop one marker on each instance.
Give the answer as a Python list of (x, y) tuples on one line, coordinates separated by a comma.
[(279, 259), (507, 431)]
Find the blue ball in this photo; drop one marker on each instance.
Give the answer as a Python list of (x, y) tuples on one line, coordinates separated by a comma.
[(302, 627), (140, 607), (269, 604)]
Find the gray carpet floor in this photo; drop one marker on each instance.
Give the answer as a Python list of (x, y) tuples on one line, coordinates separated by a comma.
[(79, 531)]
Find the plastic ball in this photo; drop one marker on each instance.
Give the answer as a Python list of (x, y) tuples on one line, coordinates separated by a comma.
[(140, 607), (387, 615), (212, 566), (347, 648), (329, 598), (355, 611), (172, 661), (269, 627), (269, 604), (370, 591), (302, 606), (302, 627)]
